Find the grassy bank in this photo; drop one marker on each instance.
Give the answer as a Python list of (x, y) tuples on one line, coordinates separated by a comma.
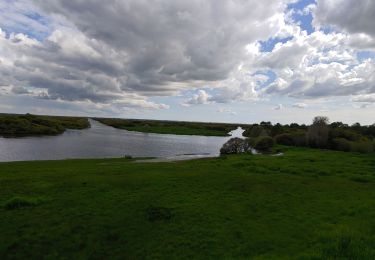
[(307, 204), (170, 127), (35, 125)]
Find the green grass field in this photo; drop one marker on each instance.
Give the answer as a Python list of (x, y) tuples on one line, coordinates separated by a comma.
[(307, 204)]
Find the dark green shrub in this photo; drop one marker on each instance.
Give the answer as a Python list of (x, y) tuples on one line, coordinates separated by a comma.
[(299, 137), (285, 139), (264, 144), (256, 131), (341, 144), (250, 143), (344, 133), (362, 147)]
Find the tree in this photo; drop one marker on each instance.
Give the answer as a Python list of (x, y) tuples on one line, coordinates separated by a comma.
[(318, 132), (277, 129), (233, 146), (256, 131), (266, 124), (321, 120), (284, 139), (264, 144), (294, 125), (337, 124)]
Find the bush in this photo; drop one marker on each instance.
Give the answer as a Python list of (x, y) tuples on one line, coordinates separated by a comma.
[(341, 144), (362, 147), (264, 144), (284, 139), (234, 146), (249, 143), (344, 133), (299, 138), (255, 131)]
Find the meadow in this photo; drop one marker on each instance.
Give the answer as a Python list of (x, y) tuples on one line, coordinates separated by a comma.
[(306, 204)]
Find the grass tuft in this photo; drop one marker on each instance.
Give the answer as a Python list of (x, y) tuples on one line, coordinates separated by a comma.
[(21, 202), (159, 214), (360, 179), (347, 245)]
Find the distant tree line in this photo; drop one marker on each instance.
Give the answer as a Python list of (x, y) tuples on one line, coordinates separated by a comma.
[(320, 134)]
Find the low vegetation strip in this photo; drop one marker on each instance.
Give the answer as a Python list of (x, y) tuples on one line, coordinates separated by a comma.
[(320, 134), (35, 125), (170, 127), (307, 204)]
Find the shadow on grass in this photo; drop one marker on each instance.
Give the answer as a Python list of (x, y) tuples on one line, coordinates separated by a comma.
[(159, 214)]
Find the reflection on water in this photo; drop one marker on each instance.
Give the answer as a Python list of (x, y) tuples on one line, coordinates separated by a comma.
[(103, 141)]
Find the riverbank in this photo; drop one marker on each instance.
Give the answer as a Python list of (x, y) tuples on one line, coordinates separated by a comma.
[(309, 204), (18, 125), (14, 125), (170, 127)]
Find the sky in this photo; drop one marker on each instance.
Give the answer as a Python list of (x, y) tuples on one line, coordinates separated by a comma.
[(238, 61)]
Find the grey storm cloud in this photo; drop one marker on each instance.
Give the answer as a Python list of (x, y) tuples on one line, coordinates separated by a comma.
[(172, 41), (102, 50), (353, 16), (125, 52)]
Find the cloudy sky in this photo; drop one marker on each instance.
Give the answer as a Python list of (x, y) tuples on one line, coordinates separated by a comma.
[(203, 60)]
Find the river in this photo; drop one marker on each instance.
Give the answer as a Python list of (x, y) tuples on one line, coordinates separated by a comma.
[(101, 141)]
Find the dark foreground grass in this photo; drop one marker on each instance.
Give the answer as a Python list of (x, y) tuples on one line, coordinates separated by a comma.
[(308, 204)]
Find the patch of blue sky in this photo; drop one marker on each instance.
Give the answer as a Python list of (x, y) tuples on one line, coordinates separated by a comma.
[(170, 101), (191, 92), (271, 77), (269, 45), (37, 17), (317, 61), (303, 19), (327, 29), (33, 25), (364, 55), (40, 36)]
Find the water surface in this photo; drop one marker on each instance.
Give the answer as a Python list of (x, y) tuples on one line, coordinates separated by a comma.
[(102, 141)]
